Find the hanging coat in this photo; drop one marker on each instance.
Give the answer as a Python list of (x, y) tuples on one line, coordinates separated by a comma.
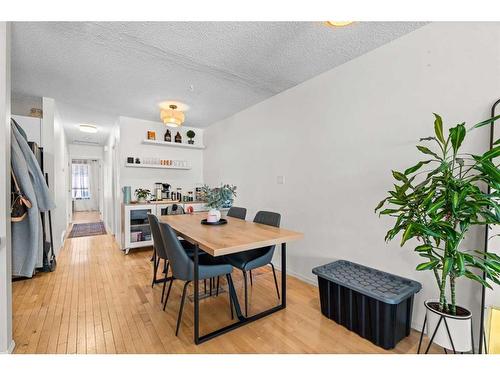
[(27, 246)]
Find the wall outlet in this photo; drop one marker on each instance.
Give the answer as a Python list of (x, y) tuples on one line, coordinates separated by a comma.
[(280, 180)]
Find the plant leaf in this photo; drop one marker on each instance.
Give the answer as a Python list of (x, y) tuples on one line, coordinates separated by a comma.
[(399, 176), (457, 135), (416, 167), (426, 151), (438, 128), (427, 266), (408, 233), (486, 122)]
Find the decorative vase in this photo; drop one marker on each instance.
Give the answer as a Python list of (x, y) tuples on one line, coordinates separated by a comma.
[(141, 199), (191, 141), (213, 215), (454, 331)]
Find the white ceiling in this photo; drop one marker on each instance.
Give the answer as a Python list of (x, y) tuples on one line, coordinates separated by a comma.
[(99, 70)]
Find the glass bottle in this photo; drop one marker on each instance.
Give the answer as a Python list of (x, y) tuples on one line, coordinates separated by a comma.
[(178, 138), (168, 136)]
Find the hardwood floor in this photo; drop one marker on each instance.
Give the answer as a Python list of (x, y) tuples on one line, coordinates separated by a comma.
[(80, 217), (100, 301)]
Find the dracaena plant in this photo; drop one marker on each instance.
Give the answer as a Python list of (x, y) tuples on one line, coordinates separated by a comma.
[(218, 197), (438, 200)]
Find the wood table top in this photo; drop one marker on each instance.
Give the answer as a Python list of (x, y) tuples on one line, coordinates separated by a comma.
[(235, 236)]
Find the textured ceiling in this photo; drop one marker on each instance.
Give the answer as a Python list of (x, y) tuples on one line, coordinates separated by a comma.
[(217, 68)]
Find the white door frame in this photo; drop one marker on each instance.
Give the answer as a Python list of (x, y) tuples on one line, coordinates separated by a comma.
[(6, 341), (100, 185)]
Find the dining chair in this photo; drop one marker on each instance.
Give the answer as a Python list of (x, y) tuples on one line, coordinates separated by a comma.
[(183, 267), (159, 251), (175, 209), (246, 261), (237, 212)]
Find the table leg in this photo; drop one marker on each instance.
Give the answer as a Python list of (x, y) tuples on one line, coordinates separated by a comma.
[(242, 320), (196, 298), (283, 275)]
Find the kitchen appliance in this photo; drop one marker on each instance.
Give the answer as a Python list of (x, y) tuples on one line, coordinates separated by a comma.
[(165, 191), (158, 191), (126, 194)]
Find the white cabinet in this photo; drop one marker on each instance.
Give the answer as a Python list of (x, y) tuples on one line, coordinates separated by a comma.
[(135, 226)]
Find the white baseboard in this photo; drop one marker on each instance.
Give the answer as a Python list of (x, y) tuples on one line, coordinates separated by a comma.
[(10, 350)]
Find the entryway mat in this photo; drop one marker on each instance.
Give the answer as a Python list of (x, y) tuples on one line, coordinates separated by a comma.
[(87, 229)]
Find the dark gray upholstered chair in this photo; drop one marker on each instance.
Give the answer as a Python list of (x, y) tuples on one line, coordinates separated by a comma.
[(159, 251), (252, 259), (237, 212), (183, 267), (175, 209)]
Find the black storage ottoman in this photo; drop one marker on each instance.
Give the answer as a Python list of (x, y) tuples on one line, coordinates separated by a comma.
[(375, 304)]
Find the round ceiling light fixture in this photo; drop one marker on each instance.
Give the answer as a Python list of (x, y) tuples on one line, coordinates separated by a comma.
[(338, 23), (87, 128), (171, 114)]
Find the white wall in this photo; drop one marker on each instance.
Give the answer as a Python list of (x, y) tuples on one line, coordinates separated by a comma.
[(56, 165), (85, 152), (6, 342), (32, 126), (133, 132), (336, 137)]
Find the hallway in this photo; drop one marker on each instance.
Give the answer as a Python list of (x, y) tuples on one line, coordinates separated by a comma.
[(100, 301)]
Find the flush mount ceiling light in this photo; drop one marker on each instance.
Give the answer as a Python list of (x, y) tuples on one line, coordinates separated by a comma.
[(87, 128), (171, 114), (338, 23)]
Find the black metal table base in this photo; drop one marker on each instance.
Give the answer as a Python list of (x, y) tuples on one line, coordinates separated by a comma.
[(242, 320)]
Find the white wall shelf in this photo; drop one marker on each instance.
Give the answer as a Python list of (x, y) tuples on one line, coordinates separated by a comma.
[(157, 166), (172, 144)]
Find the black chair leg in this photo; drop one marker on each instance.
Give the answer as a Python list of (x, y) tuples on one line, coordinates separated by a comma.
[(165, 266), (155, 268), (217, 291), (205, 285), (246, 291), (251, 278), (211, 286), (168, 294), (179, 318), (275, 281), (163, 290)]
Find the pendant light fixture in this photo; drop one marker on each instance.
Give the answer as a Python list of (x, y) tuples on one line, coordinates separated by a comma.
[(338, 23), (171, 116)]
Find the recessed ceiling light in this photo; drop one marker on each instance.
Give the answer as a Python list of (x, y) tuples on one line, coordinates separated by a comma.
[(338, 23), (87, 128)]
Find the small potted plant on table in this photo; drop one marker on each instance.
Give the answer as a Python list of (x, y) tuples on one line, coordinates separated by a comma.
[(217, 198), (190, 134), (142, 195), (437, 207)]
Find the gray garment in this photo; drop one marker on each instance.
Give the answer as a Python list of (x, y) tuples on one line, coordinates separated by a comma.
[(27, 247)]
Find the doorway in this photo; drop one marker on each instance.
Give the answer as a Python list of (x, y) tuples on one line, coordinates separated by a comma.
[(86, 190)]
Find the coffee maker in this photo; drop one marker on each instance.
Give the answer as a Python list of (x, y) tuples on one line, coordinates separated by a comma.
[(166, 191)]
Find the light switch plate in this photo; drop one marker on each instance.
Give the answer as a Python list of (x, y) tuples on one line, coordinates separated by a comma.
[(280, 180)]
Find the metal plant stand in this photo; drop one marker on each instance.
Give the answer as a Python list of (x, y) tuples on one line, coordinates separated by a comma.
[(441, 319)]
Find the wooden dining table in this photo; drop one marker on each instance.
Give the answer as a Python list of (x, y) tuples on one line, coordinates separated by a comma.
[(234, 237)]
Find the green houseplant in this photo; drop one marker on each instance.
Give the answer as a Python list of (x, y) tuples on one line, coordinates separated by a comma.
[(437, 201), (217, 198), (142, 194), (190, 134)]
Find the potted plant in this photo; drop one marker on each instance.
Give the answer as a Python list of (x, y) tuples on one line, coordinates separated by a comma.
[(190, 134), (142, 194), (217, 198), (437, 207)]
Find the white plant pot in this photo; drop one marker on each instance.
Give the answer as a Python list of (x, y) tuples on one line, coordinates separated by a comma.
[(213, 216), (459, 327)]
